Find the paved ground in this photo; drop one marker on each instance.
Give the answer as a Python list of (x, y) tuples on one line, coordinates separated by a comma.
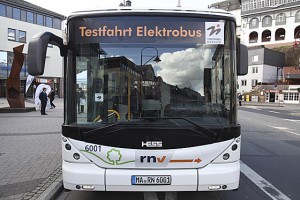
[(291, 109), (30, 151)]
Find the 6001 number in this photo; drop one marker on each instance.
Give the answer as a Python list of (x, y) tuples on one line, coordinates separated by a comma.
[(93, 148)]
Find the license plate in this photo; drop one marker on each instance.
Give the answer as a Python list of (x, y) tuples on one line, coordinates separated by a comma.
[(150, 180)]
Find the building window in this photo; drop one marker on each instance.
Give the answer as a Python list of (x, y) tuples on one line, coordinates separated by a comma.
[(30, 17), (297, 16), (296, 97), (280, 34), (253, 37), (49, 22), (267, 21), (3, 64), (253, 23), (262, 3), (291, 96), (255, 4), (286, 96), (254, 82), (255, 59), (254, 70), (244, 82), (57, 23), (266, 36), (16, 35), (23, 15), (243, 6), (40, 19), (251, 4), (16, 13), (22, 36), (11, 34), (9, 11), (246, 5), (2, 10), (280, 19)]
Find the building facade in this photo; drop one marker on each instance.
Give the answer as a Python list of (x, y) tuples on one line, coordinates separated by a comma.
[(264, 66), (267, 22), (20, 21)]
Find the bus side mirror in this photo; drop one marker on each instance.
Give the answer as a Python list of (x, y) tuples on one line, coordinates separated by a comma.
[(37, 50), (242, 60)]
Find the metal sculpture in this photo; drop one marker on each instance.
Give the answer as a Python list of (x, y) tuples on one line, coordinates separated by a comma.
[(15, 97)]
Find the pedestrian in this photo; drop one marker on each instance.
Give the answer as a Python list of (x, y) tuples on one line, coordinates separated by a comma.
[(240, 99), (51, 97), (81, 100), (78, 100), (44, 98)]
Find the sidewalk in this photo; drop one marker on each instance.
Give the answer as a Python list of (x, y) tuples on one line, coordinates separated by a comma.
[(30, 151)]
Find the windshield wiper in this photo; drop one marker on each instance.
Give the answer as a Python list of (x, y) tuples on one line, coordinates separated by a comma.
[(96, 130), (204, 130)]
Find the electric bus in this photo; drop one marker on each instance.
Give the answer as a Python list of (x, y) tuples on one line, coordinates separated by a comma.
[(159, 110)]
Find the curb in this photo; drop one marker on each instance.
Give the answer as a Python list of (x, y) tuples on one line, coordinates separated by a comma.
[(53, 190)]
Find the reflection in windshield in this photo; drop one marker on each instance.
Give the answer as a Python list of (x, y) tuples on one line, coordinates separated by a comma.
[(127, 83)]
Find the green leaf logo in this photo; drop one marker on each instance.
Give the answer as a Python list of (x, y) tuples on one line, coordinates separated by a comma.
[(114, 156)]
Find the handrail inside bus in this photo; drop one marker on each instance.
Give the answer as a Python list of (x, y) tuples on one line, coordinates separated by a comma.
[(112, 111)]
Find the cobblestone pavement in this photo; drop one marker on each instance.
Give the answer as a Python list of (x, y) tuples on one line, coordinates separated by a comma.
[(30, 151)]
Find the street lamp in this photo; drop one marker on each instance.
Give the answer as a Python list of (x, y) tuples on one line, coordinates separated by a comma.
[(156, 58)]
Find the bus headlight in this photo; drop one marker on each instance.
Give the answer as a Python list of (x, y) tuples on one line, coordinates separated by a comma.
[(226, 156), (64, 139), (76, 156), (68, 147), (234, 147)]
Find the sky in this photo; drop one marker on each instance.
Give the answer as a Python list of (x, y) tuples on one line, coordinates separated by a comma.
[(65, 7)]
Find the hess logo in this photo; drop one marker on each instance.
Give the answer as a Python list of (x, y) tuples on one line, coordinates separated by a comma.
[(152, 144)]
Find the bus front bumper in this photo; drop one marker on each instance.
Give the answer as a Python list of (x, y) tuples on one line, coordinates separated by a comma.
[(88, 176)]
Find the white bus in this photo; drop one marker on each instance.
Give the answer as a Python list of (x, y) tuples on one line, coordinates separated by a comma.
[(157, 107)]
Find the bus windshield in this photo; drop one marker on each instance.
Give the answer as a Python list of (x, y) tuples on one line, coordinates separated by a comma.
[(129, 80)]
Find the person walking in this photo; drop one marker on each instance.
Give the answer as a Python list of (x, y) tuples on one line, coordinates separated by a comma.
[(240, 99), (80, 100), (44, 98), (51, 97)]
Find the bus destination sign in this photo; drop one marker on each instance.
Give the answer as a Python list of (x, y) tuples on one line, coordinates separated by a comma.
[(163, 32)]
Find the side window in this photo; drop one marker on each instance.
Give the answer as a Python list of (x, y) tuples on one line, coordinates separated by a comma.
[(11, 34), (280, 19), (2, 10), (253, 23), (30, 17), (40, 19), (22, 36), (267, 21)]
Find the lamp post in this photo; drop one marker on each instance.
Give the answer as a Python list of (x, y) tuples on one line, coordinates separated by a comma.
[(156, 58)]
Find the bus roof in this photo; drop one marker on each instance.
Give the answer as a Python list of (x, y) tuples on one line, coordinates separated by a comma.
[(152, 11)]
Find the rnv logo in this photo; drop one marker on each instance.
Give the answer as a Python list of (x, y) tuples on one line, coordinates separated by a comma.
[(152, 144), (152, 159)]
